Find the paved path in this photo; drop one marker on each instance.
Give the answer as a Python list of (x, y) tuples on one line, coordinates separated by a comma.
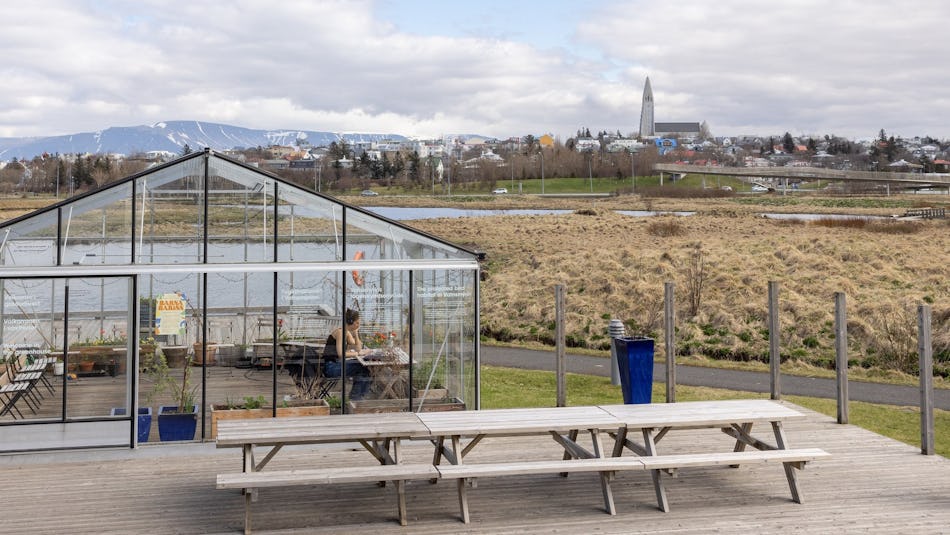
[(718, 378)]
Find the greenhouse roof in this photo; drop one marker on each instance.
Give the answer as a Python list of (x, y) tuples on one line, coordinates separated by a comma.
[(206, 208)]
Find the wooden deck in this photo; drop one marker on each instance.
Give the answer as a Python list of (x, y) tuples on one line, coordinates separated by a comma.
[(871, 484)]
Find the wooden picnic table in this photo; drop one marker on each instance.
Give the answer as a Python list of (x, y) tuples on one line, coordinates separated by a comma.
[(381, 435), (733, 417), (563, 424)]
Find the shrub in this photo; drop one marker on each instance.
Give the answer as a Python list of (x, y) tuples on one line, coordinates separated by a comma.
[(666, 227)]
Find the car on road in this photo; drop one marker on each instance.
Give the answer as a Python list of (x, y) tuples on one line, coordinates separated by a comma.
[(757, 187), (498, 191), (368, 193)]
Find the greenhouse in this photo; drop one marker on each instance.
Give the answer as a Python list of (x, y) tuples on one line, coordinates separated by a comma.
[(204, 289)]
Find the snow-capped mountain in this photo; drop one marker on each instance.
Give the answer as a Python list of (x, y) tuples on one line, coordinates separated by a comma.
[(171, 136)]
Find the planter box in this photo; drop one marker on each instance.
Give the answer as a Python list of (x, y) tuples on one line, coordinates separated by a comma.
[(204, 359), (376, 406), (175, 425), (433, 393), (228, 355), (263, 349), (316, 407), (175, 356), (145, 420)]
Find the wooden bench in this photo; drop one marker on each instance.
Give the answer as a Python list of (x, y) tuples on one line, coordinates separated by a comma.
[(397, 473), (608, 465), (791, 459)]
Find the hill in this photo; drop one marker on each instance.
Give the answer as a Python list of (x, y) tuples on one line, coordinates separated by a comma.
[(172, 136)]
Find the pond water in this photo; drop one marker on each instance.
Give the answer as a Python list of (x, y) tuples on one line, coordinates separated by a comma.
[(648, 213), (815, 217), (400, 214)]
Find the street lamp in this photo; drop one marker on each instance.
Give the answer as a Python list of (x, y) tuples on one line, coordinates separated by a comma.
[(590, 174), (541, 152), (633, 172)]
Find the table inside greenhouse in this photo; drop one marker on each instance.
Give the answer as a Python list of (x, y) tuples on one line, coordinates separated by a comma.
[(388, 368)]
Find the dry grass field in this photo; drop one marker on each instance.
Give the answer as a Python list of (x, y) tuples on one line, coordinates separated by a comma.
[(720, 260)]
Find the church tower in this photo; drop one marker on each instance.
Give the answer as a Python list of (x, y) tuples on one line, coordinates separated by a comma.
[(646, 111)]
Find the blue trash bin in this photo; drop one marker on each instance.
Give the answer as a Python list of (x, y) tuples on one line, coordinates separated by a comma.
[(635, 360)]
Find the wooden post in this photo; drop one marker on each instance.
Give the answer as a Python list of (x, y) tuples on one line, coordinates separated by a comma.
[(841, 355), (559, 344), (669, 321), (774, 334), (925, 349)]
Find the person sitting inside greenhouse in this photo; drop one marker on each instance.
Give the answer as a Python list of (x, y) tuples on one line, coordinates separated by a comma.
[(354, 346)]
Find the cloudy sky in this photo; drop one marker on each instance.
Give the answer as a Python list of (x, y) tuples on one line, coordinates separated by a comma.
[(492, 67)]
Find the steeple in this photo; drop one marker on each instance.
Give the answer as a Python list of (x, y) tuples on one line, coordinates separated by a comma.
[(646, 111)]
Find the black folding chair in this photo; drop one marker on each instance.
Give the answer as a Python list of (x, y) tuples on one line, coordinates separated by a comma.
[(307, 372)]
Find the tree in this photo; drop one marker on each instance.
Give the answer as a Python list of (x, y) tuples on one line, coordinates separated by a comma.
[(338, 151), (414, 175), (530, 144), (186, 150), (788, 143), (82, 173), (398, 165)]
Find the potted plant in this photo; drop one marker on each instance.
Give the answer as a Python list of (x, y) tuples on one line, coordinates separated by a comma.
[(175, 356), (145, 421), (99, 353), (203, 357), (179, 420)]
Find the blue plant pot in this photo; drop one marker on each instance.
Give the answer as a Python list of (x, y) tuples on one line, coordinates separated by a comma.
[(173, 425), (145, 420)]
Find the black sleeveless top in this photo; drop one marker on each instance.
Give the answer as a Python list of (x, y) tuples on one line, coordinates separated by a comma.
[(329, 352)]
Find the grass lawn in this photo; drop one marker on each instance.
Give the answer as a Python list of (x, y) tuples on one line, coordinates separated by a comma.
[(510, 388)]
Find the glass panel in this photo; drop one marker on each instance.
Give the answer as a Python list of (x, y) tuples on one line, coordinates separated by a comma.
[(240, 214), (98, 346), (168, 380), (240, 363), (31, 329), (310, 228), (169, 207), (369, 237), (444, 336), (97, 229), (31, 242), (305, 320), (383, 308)]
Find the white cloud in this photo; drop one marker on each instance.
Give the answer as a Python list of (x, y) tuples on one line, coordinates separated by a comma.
[(848, 68)]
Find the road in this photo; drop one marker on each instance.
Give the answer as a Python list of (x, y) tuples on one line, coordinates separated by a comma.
[(718, 378)]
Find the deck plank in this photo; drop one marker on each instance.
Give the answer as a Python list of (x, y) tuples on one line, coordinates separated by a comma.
[(871, 483)]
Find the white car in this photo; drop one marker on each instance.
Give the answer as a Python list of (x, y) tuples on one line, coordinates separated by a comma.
[(498, 191), (757, 187), (368, 193)]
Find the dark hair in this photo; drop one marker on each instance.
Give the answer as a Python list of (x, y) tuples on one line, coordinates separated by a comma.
[(350, 316)]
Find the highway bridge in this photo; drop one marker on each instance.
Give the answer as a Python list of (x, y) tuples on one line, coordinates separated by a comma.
[(809, 173)]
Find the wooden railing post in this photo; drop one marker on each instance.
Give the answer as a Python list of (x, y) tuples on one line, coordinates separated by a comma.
[(925, 349), (559, 345), (669, 322), (774, 335), (841, 355)]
